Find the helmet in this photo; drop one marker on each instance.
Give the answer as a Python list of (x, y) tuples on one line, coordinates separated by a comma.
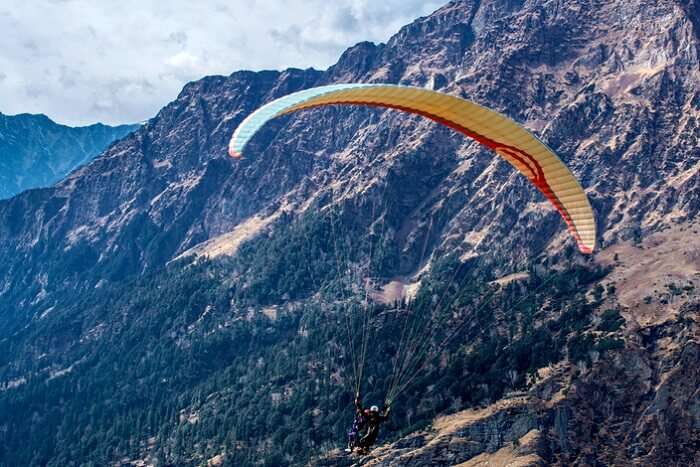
[(374, 408)]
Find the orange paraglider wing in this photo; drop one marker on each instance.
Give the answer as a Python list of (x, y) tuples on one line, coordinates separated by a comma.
[(509, 140)]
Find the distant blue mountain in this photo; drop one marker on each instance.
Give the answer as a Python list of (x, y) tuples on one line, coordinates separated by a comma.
[(35, 151)]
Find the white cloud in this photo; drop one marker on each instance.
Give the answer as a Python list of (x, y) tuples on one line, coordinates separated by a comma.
[(81, 61)]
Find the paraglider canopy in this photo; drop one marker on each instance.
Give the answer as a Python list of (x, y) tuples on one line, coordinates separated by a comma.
[(509, 140)]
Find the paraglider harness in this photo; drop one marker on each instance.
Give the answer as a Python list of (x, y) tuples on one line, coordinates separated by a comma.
[(368, 420)]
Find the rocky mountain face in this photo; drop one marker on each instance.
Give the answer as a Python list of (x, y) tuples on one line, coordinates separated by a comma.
[(37, 152), (612, 86), (612, 90)]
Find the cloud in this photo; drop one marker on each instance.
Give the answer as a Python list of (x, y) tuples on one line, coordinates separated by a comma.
[(81, 61), (178, 37), (345, 20), (184, 60)]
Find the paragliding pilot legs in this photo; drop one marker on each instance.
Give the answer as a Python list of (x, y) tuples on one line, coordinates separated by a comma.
[(353, 435), (357, 424), (367, 441)]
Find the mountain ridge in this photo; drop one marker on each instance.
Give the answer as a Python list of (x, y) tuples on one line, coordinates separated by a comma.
[(36, 152), (85, 295)]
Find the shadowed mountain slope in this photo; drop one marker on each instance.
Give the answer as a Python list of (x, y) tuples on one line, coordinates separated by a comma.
[(36, 152)]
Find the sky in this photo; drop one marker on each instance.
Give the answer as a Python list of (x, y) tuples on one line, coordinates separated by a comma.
[(84, 61)]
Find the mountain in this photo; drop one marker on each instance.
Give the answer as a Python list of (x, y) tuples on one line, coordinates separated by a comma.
[(614, 404), (37, 152), (166, 304)]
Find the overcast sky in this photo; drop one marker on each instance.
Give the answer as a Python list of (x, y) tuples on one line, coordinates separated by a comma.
[(83, 61)]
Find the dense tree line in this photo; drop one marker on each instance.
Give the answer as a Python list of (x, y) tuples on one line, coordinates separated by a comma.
[(249, 357)]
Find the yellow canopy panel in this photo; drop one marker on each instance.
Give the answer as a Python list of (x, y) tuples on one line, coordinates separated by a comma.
[(509, 140)]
